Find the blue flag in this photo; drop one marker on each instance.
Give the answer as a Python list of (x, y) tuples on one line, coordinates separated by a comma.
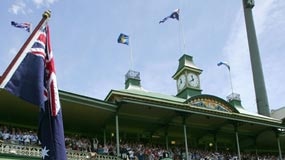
[(33, 79), (224, 63), (124, 39), (25, 25), (173, 15)]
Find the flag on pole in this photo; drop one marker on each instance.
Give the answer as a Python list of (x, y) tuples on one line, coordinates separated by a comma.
[(32, 78), (25, 25), (173, 15), (224, 63), (124, 39)]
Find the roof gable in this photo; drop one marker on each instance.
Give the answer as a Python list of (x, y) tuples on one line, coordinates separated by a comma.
[(211, 102)]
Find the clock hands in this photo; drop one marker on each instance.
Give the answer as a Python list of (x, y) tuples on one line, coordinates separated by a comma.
[(181, 82), (192, 78)]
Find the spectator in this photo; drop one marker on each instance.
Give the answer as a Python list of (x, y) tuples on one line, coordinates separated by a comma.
[(95, 143), (6, 135), (100, 149), (26, 138)]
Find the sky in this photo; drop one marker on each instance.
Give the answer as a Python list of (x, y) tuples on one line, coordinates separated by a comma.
[(90, 62)]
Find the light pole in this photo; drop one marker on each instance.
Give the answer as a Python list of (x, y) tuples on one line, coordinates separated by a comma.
[(259, 84)]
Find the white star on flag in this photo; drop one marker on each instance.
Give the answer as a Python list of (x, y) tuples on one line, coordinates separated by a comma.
[(44, 152)]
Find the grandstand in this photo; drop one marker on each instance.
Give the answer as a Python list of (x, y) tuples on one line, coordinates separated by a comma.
[(134, 117)]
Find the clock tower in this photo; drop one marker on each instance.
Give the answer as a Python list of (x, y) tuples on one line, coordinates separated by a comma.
[(187, 78)]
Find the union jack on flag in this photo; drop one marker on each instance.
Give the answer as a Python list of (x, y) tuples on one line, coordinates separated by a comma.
[(33, 79), (51, 84)]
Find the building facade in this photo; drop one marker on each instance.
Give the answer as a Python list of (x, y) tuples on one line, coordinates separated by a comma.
[(189, 119)]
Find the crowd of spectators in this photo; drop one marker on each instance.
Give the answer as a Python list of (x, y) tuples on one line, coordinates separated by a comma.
[(18, 136), (23, 136), (128, 150), (139, 151)]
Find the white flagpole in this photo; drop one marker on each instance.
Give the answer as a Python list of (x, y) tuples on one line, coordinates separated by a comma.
[(179, 36), (231, 81), (131, 57), (181, 32), (182, 37), (131, 54)]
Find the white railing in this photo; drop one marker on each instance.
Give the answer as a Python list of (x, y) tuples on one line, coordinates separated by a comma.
[(106, 157), (34, 151), (233, 96), (20, 150)]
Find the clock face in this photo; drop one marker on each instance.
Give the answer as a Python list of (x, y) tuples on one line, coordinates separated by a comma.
[(181, 82), (193, 80)]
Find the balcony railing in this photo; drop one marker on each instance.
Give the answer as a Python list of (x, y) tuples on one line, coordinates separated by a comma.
[(34, 151)]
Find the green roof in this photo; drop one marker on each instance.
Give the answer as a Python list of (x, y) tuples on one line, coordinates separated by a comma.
[(139, 92), (149, 95)]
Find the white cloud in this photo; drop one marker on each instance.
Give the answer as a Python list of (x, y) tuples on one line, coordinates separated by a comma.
[(44, 3), (21, 6), (18, 7)]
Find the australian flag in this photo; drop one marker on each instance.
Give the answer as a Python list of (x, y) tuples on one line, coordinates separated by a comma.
[(33, 79), (173, 15), (25, 25)]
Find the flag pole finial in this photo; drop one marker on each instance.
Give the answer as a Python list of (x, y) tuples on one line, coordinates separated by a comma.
[(47, 14)]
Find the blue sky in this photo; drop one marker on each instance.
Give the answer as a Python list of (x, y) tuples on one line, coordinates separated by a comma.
[(90, 62)]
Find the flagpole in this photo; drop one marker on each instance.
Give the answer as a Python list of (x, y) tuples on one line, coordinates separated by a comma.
[(131, 54), (181, 32), (231, 81), (46, 15), (180, 36), (181, 26), (229, 69)]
